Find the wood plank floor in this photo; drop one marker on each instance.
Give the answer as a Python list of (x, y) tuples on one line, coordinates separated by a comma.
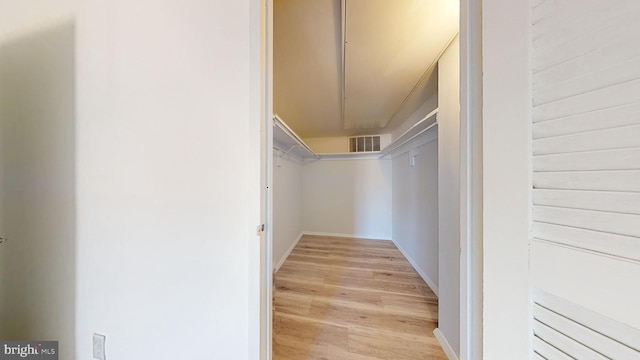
[(339, 298)]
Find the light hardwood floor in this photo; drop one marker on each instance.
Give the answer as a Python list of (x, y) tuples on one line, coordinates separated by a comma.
[(338, 298)]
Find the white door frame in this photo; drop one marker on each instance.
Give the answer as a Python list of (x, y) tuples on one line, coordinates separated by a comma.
[(471, 180), (266, 27)]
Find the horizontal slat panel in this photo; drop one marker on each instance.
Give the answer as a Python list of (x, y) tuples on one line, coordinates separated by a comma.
[(594, 76), (615, 223), (607, 139), (564, 343), (602, 284), (537, 356), (544, 9), (590, 319), (586, 177), (551, 51), (622, 202), (582, 334), (610, 55), (597, 120), (564, 31), (562, 18), (617, 95), (535, 3), (603, 242), (547, 351), (585, 180), (618, 159)]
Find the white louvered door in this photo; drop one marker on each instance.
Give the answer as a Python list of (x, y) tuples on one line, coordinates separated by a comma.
[(585, 252)]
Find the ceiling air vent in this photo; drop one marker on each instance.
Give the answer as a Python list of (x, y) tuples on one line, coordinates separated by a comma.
[(364, 143)]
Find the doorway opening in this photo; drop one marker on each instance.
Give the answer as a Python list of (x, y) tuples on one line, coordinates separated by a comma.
[(319, 189)]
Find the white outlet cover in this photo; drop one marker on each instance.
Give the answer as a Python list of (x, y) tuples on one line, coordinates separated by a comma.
[(98, 347)]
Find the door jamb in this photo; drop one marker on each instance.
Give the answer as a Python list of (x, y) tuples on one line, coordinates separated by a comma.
[(471, 220), (267, 153)]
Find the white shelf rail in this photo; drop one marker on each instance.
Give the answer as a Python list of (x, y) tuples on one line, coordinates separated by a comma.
[(427, 123), (287, 141)]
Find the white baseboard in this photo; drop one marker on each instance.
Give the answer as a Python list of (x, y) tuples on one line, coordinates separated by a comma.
[(448, 350), (286, 254), (355, 236), (422, 274)]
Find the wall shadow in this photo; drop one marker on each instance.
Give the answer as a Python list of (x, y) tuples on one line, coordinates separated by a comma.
[(37, 187)]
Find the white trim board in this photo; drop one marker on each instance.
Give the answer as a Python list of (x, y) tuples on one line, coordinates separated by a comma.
[(448, 350), (354, 236), (422, 274), (279, 264)]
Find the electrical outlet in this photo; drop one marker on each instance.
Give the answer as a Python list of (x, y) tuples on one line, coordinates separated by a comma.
[(98, 347)]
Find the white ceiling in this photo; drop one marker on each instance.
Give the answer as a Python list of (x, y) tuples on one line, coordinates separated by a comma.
[(390, 53)]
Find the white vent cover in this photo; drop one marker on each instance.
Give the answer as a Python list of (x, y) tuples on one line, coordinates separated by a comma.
[(364, 143), (563, 330)]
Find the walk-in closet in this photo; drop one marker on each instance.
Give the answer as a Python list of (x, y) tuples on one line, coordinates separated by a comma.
[(365, 177)]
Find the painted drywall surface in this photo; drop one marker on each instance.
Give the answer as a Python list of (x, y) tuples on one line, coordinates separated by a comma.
[(287, 204), (168, 178), (37, 156), (338, 144), (424, 109), (506, 169), (415, 208), (348, 197), (449, 195)]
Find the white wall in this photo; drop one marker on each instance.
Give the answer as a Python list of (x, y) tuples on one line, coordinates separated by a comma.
[(287, 205), (37, 158), (336, 144), (506, 169), (449, 195), (415, 207), (348, 197), (168, 181)]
